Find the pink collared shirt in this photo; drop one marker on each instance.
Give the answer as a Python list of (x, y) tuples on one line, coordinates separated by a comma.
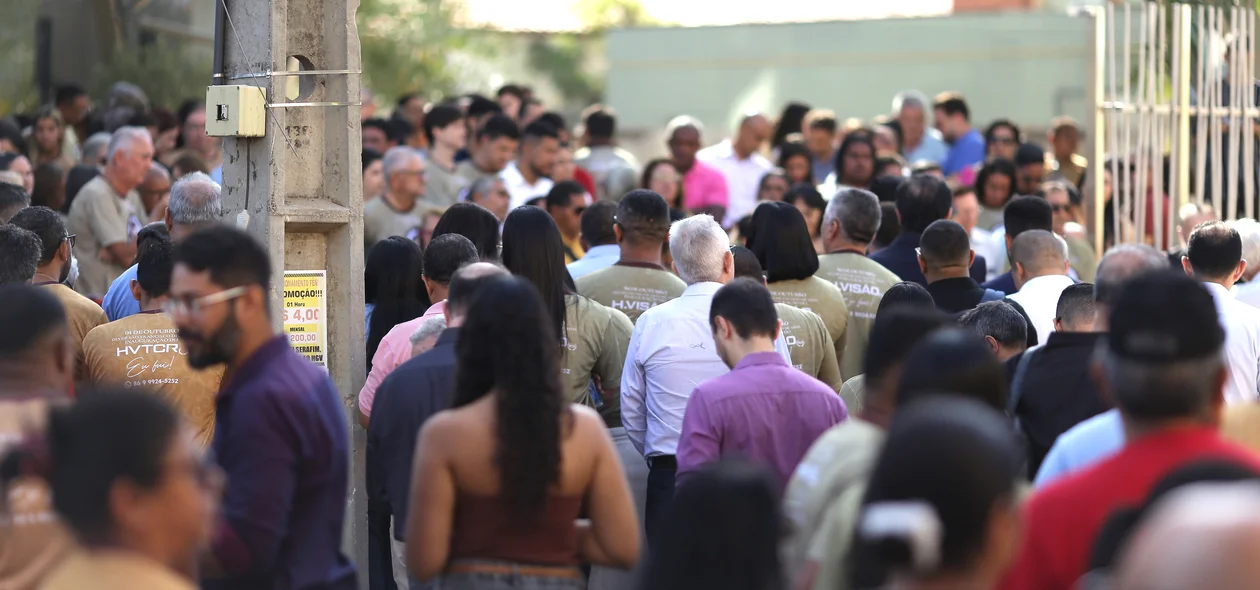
[(393, 351), (704, 186)]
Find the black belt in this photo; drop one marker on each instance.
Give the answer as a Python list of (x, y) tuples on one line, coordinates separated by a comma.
[(662, 462)]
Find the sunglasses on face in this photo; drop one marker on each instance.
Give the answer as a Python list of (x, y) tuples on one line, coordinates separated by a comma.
[(1004, 140), (1060, 208)]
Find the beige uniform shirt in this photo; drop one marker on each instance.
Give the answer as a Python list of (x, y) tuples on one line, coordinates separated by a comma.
[(83, 314), (615, 170), (853, 392), (100, 218), (470, 173), (441, 186), (863, 283), (631, 287), (32, 539), (595, 342), (381, 220), (114, 570), (810, 345), (144, 350), (821, 297)]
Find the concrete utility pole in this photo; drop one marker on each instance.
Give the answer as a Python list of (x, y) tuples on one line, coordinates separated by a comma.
[(301, 184)]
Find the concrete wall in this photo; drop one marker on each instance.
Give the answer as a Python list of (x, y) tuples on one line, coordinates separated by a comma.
[(1027, 66)]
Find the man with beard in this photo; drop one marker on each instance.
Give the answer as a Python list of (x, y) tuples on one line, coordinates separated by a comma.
[(55, 263), (280, 431), (143, 350)]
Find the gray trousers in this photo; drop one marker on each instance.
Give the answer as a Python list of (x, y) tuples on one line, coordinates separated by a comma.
[(605, 578)]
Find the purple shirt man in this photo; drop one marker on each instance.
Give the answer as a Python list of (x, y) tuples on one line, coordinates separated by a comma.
[(764, 410)]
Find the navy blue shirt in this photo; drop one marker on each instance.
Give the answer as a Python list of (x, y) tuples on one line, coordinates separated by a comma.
[(415, 391), (281, 436), (900, 258)]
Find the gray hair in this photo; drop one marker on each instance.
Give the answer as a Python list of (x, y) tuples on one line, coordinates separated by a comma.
[(699, 247), (909, 98), (195, 200), (482, 186), (94, 147), (1158, 391), (1249, 231), (13, 198), (857, 212), (1039, 251), (1121, 264), (999, 320), (397, 157), (429, 328), (124, 139)]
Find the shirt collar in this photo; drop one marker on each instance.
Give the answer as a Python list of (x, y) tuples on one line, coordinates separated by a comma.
[(760, 358), (641, 264), (1217, 290), (702, 289), (607, 250), (1047, 281), (257, 362)]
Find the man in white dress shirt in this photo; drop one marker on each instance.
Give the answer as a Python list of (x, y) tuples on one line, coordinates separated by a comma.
[(671, 352), (740, 161), (1214, 256), (529, 175), (1041, 273)]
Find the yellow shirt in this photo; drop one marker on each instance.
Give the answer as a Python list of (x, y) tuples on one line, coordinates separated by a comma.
[(574, 249), (144, 350), (113, 570), (821, 297)]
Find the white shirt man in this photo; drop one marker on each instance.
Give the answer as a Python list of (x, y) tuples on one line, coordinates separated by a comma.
[(1041, 268), (520, 189), (1214, 256)]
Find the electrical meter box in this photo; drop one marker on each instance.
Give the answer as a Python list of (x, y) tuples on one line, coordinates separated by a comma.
[(236, 111)]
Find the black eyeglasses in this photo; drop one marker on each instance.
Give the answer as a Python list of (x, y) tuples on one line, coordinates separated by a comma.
[(1060, 208), (70, 238)]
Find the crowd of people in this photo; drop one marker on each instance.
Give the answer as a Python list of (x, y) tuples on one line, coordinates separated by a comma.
[(819, 354)]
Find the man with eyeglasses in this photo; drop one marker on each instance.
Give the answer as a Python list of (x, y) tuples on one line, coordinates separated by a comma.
[(143, 350), (54, 270), (565, 202), (1067, 225), (280, 431), (400, 211)]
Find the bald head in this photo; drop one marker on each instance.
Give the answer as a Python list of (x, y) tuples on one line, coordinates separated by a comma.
[(1202, 536), (754, 130), (1039, 253), (1122, 263), (464, 285)]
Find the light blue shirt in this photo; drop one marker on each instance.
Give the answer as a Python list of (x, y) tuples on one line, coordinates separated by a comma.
[(217, 174), (967, 151), (119, 302), (597, 258), (1081, 446), (931, 148)]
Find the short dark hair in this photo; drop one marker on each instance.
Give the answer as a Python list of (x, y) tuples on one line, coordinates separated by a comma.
[(1214, 249), (462, 290), (233, 257), (781, 241), (889, 225), (153, 231), (945, 243), (13, 198), (821, 120), (369, 156), (446, 254), (554, 119), (1025, 213), (68, 92), (894, 334), (643, 215), (956, 361), (1000, 320), (440, 116), (601, 123), (513, 89), (952, 103), (999, 166), (540, 129), (597, 223), (905, 294), (813, 199), (990, 132), (1076, 304), (22, 250), (46, 224), (153, 267), (378, 123), (746, 264), (885, 187), (474, 222), (499, 126), (1029, 153), (922, 200), (479, 105), (400, 128), (28, 314), (748, 306), (561, 195)]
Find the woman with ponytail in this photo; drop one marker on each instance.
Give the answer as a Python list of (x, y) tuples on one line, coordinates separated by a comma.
[(500, 478), (129, 482)]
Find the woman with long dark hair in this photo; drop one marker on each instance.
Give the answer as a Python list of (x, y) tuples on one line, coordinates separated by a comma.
[(811, 204), (855, 161), (797, 162), (474, 222), (661, 177), (791, 120), (995, 187), (130, 482), (941, 507), (500, 478), (722, 533), (393, 288), (593, 338), (774, 185), (50, 187), (782, 243)]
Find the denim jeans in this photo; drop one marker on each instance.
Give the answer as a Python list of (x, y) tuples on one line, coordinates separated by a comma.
[(507, 581)]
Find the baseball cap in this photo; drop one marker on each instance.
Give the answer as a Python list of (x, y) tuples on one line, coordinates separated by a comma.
[(1164, 317)]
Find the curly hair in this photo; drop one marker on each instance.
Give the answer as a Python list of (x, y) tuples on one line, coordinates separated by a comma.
[(499, 350)]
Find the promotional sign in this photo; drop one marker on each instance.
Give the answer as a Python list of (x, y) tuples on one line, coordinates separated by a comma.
[(305, 314)]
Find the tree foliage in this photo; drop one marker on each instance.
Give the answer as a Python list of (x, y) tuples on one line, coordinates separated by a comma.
[(408, 45)]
